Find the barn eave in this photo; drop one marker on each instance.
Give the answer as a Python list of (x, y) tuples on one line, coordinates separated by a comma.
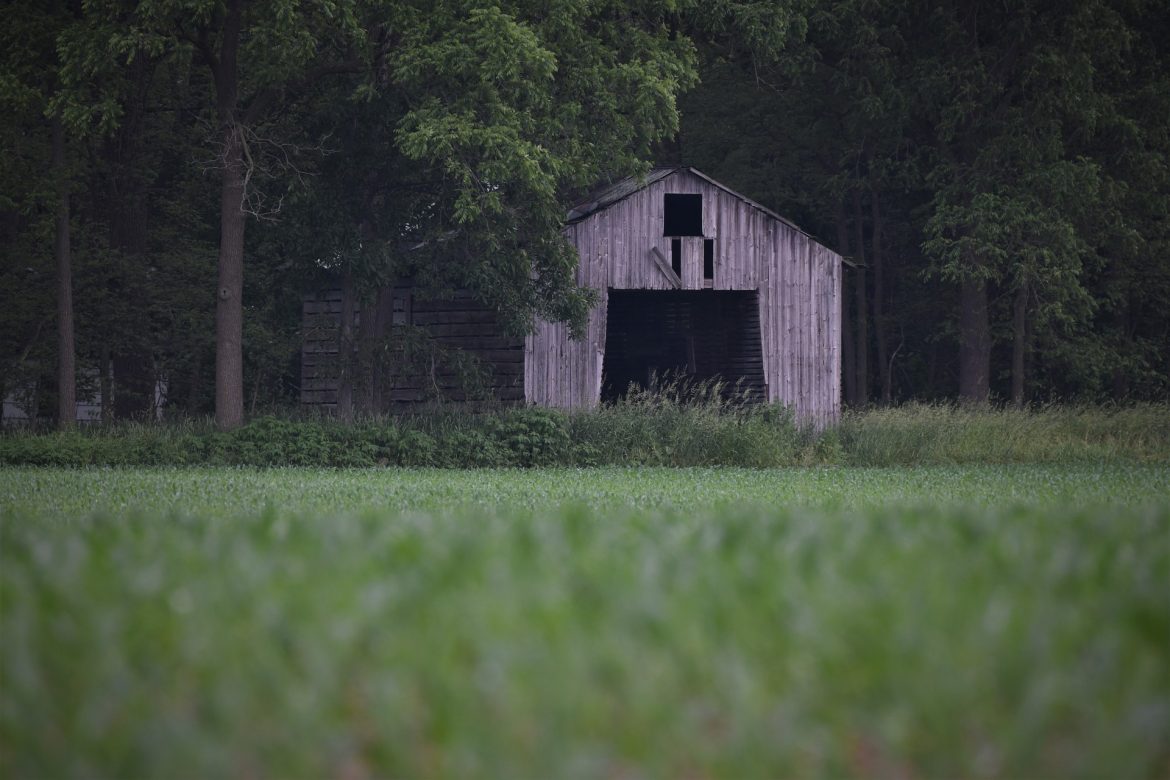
[(618, 191)]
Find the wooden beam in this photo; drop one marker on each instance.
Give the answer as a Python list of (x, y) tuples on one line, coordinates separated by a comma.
[(665, 268)]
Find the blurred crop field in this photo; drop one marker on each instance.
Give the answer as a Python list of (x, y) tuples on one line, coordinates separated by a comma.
[(1003, 621)]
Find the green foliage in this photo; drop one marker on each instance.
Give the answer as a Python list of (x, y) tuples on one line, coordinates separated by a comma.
[(533, 437), (944, 622), (680, 423), (269, 441), (1021, 145), (513, 109), (919, 433), (675, 426)]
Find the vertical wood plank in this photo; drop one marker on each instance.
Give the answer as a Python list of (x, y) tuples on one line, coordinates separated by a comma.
[(798, 284)]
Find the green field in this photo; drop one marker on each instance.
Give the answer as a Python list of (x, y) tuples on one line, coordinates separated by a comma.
[(939, 622)]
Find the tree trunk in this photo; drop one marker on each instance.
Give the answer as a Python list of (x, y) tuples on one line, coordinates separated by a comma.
[(974, 339), (932, 369), (847, 356), (229, 308), (66, 368), (345, 348), (1124, 345), (860, 295), (1019, 343), (194, 390), (125, 192), (256, 391), (879, 319), (107, 386)]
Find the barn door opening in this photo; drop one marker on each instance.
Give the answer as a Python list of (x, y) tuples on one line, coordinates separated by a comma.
[(699, 334)]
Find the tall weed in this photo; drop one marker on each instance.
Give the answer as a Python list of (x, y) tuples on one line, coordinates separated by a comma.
[(682, 423), (942, 433), (672, 423)]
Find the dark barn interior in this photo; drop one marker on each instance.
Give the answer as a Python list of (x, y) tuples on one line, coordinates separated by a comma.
[(699, 334)]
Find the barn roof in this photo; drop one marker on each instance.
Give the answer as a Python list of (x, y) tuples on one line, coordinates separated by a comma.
[(606, 196)]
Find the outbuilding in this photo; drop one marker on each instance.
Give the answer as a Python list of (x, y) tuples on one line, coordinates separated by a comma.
[(691, 278), (692, 275)]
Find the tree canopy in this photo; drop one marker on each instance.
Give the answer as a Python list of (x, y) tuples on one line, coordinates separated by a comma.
[(978, 162), (998, 176)]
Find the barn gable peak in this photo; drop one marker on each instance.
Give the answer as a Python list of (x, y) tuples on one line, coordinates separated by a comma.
[(610, 194)]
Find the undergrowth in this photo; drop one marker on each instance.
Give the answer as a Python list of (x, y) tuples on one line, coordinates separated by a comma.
[(673, 425)]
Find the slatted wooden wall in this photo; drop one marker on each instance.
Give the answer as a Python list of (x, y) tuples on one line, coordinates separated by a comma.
[(461, 324), (797, 279), (320, 319)]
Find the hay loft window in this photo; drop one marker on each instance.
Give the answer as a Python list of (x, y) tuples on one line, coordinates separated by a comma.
[(682, 215)]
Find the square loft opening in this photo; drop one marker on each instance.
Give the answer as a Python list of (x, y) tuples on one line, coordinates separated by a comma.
[(696, 334), (682, 215)]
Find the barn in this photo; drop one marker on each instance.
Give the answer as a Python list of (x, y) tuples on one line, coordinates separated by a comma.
[(691, 277)]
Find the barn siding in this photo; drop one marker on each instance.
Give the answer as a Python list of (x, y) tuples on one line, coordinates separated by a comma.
[(460, 324), (798, 281)]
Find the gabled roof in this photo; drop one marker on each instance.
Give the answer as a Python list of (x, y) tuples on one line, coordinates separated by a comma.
[(613, 193), (604, 197)]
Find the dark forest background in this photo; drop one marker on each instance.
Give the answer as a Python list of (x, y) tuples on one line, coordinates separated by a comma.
[(176, 173)]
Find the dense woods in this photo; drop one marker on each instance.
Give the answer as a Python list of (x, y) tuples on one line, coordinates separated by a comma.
[(177, 172)]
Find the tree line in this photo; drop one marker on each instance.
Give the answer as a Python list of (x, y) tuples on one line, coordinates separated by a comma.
[(177, 172), (997, 173)]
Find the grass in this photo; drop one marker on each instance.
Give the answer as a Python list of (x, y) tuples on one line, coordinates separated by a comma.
[(54, 495), (674, 426), (928, 433), (952, 621)]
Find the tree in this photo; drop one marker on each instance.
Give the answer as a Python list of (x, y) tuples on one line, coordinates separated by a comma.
[(504, 112), (260, 56), (1015, 192), (511, 109), (32, 80), (973, 154), (66, 352), (1010, 160), (817, 132)]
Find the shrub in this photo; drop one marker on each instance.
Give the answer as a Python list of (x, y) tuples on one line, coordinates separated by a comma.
[(415, 448), (673, 425), (463, 448), (533, 437)]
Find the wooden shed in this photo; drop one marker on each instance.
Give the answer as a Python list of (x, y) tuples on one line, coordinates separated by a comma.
[(691, 278)]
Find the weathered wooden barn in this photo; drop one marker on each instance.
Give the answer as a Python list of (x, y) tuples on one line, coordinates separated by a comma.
[(691, 278), (450, 351)]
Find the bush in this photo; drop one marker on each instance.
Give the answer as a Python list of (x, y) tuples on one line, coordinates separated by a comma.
[(415, 448), (533, 437), (672, 425)]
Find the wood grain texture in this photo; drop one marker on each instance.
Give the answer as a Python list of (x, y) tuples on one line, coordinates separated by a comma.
[(459, 325), (797, 280), (798, 283)]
